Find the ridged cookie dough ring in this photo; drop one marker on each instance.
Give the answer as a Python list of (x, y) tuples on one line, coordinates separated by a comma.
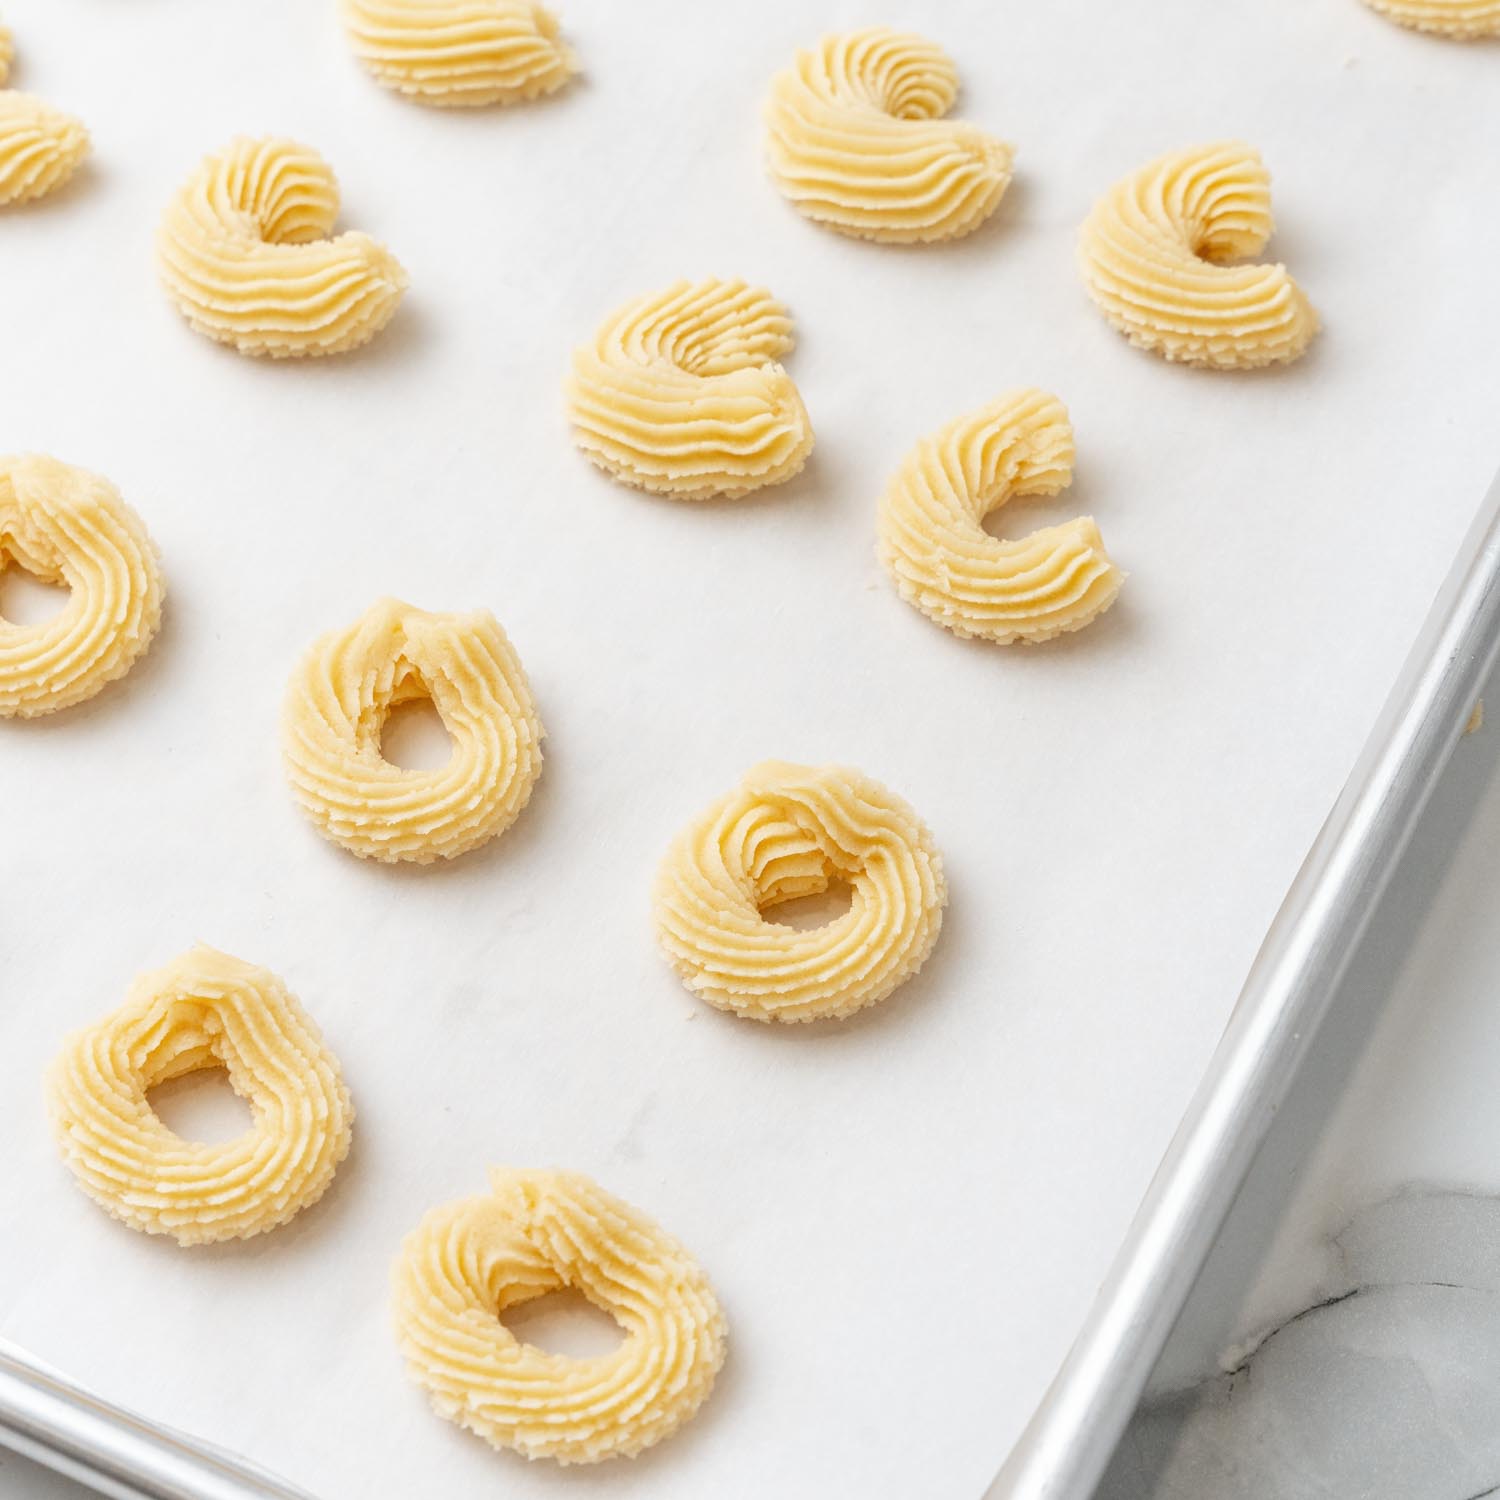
[(68, 526), (244, 250), (40, 147), (680, 393), (932, 541), (533, 1233), (336, 706), (789, 831), (204, 1009), (856, 141), (1458, 20), (1154, 255)]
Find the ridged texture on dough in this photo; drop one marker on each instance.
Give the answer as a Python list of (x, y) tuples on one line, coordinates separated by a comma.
[(946, 564), (533, 1233), (203, 1010), (857, 140), (789, 831), (680, 393), (460, 52), (1153, 251), (40, 147), (1463, 20), (244, 249), (336, 707), (71, 527)]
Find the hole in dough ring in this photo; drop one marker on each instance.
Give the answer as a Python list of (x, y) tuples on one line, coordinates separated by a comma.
[(336, 705), (1153, 253), (931, 540), (680, 393), (40, 147), (459, 53), (204, 1009), (856, 140), (788, 831), (244, 250), (534, 1233), (68, 526), (1460, 20)]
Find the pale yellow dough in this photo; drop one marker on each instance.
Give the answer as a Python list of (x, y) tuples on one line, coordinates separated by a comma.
[(788, 831), (203, 1010), (1155, 256), (244, 249), (1462, 20), (680, 393), (946, 564), (857, 140), (40, 147), (538, 1232), (336, 706), (71, 527), (455, 53)]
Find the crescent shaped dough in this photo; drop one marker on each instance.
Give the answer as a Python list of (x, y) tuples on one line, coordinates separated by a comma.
[(455, 53), (40, 147), (1153, 255), (71, 527), (680, 393), (336, 705), (244, 250), (789, 831), (1460, 20), (202, 1010), (533, 1233), (950, 568), (857, 140)]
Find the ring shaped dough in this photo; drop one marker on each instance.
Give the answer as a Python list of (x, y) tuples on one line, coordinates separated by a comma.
[(857, 141), (40, 147), (943, 561), (789, 831), (460, 52), (244, 249), (67, 526), (1153, 254), (680, 393), (336, 707), (533, 1233), (1460, 20), (204, 1009)]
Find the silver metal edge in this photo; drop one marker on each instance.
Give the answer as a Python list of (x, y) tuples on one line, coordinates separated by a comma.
[(1066, 1447)]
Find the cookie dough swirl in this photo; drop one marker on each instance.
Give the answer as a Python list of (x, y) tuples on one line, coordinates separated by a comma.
[(534, 1233), (244, 249), (680, 393), (457, 53), (336, 706), (1462, 20), (931, 539), (40, 147), (203, 1010), (67, 526), (857, 141), (788, 831), (1154, 255)]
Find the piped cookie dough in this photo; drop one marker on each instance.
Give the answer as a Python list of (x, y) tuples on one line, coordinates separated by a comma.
[(40, 147), (1459, 20)]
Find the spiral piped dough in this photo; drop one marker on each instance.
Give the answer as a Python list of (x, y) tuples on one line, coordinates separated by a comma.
[(931, 539), (538, 1232), (336, 706), (1153, 254), (788, 831), (67, 526), (244, 250), (857, 141), (40, 147), (456, 53), (203, 1010), (1462, 20), (680, 393)]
